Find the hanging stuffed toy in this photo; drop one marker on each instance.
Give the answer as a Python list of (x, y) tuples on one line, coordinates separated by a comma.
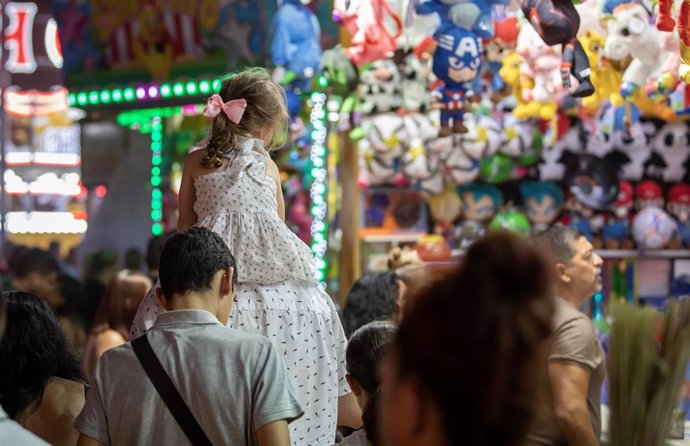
[(631, 34), (519, 83), (364, 21), (665, 22), (502, 44), (457, 61), (342, 80), (557, 23), (380, 88), (474, 15), (605, 77), (295, 50), (541, 63)]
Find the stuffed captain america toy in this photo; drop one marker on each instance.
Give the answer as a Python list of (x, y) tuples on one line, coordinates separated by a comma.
[(457, 62)]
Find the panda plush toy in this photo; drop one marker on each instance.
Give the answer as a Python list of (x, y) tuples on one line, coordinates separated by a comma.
[(671, 144), (380, 88)]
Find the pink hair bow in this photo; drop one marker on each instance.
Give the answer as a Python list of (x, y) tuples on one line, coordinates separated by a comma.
[(234, 109)]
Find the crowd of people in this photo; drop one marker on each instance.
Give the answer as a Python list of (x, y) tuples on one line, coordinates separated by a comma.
[(233, 341)]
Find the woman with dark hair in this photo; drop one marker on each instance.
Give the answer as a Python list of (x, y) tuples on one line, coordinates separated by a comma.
[(464, 366), (115, 315), (41, 384), (364, 352), (373, 296)]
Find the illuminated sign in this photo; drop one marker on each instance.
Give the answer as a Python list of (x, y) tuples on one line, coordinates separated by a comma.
[(19, 37), (31, 52)]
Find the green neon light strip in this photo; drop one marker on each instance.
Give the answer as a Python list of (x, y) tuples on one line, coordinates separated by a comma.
[(144, 93), (156, 192)]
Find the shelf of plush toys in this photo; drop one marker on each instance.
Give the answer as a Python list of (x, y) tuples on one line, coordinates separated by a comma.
[(499, 123)]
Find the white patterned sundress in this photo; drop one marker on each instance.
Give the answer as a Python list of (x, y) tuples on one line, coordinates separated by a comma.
[(277, 295)]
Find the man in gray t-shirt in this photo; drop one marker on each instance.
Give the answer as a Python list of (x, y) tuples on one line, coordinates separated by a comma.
[(234, 383)]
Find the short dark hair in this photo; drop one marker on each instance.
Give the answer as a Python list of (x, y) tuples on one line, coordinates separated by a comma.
[(371, 297), (365, 350), (190, 259), (34, 260), (557, 241), (33, 350)]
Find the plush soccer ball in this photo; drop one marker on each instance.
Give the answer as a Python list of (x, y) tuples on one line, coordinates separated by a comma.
[(511, 220), (496, 168), (653, 228)]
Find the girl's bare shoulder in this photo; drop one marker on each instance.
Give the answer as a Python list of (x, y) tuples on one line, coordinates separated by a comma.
[(193, 165)]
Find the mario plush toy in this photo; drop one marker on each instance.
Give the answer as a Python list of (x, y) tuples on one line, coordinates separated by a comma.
[(679, 206), (457, 61), (616, 230), (648, 194)]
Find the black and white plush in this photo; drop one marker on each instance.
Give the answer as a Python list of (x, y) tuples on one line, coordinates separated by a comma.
[(380, 88), (672, 143), (593, 181)]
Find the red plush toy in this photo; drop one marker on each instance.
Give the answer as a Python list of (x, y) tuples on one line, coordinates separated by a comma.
[(364, 21)]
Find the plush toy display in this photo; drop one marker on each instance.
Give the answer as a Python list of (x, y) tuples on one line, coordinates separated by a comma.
[(653, 228), (582, 103), (679, 207), (474, 15), (380, 88), (672, 143), (522, 85), (364, 20), (497, 168), (616, 231), (511, 220), (295, 50), (433, 248), (648, 194), (584, 219), (631, 34), (458, 165), (503, 42), (557, 23), (592, 181), (380, 150), (543, 202), (684, 34), (457, 61), (445, 208), (480, 202), (605, 77)]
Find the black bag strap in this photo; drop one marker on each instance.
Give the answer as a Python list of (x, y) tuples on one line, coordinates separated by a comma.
[(166, 389)]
